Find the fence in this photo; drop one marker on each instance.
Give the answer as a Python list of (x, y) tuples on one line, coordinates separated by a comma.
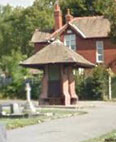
[(4, 81)]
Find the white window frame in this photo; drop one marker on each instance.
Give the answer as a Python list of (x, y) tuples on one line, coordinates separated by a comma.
[(81, 71), (71, 42), (99, 46)]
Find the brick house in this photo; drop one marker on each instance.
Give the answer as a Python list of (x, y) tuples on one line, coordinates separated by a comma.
[(87, 36)]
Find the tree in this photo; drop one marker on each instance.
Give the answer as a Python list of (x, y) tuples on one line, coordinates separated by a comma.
[(5, 29), (80, 7), (86, 7), (10, 66), (18, 24), (110, 13)]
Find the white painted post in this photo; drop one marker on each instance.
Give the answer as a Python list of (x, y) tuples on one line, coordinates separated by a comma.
[(110, 88), (28, 92)]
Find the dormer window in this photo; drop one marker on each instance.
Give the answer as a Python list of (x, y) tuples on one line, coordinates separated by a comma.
[(69, 31), (70, 40)]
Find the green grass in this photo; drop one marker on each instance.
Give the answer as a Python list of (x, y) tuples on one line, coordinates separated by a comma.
[(110, 137), (12, 123)]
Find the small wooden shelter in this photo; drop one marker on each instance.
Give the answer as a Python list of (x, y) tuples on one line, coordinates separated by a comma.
[(58, 84)]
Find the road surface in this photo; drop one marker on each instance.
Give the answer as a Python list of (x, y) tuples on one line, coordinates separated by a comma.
[(98, 121)]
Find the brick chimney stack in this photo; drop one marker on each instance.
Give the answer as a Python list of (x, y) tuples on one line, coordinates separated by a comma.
[(68, 16), (57, 16)]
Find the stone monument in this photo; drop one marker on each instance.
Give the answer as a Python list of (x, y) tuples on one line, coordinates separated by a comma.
[(29, 107)]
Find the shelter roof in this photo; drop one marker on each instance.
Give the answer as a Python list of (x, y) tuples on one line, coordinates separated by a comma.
[(56, 53)]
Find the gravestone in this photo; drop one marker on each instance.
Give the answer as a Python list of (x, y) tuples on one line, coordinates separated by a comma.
[(16, 109), (2, 133), (6, 106)]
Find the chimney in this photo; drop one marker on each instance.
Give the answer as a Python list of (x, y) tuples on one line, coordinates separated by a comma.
[(57, 16), (68, 16)]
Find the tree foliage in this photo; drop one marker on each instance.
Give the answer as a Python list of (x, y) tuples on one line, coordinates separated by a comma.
[(18, 24), (85, 7), (11, 69)]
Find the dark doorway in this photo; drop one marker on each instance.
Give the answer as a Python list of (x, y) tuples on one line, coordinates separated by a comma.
[(54, 81)]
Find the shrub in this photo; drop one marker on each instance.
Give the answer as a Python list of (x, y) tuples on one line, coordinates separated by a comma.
[(36, 86), (93, 86)]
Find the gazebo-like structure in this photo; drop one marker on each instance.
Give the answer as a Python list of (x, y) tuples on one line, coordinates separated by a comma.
[(58, 83)]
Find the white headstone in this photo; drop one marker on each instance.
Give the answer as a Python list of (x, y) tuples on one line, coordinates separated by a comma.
[(16, 109)]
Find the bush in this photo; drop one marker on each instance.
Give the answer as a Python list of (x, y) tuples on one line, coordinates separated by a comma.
[(93, 86)]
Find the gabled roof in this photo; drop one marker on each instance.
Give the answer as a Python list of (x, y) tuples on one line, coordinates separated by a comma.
[(39, 36), (87, 27), (92, 27), (56, 53)]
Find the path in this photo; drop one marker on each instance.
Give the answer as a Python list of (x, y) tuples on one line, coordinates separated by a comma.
[(98, 121)]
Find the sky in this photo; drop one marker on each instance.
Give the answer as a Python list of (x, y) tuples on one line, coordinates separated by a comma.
[(15, 3)]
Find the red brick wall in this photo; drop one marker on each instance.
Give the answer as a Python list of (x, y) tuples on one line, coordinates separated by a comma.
[(87, 48), (39, 46)]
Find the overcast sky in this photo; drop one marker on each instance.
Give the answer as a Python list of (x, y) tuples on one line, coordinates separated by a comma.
[(17, 2)]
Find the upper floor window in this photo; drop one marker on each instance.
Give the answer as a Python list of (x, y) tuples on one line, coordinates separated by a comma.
[(99, 52), (70, 41), (69, 31)]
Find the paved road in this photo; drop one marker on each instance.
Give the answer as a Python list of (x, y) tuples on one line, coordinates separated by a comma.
[(98, 121)]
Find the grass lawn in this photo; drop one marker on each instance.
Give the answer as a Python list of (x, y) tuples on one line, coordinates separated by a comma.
[(110, 137), (49, 114)]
